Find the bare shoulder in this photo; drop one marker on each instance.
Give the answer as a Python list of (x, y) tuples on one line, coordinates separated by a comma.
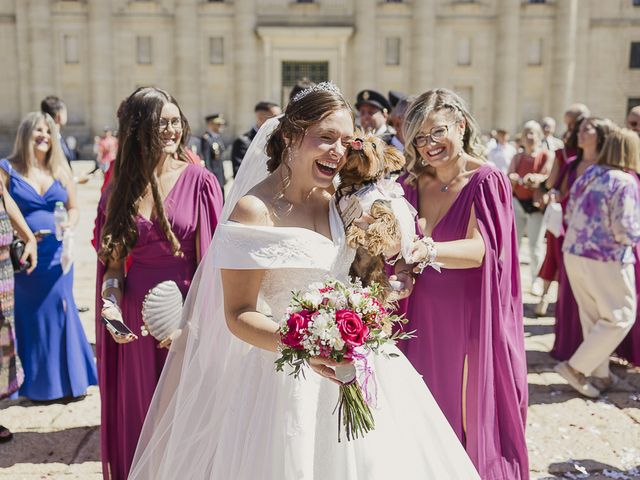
[(251, 210), (474, 163)]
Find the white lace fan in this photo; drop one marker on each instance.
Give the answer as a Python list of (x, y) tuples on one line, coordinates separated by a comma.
[(162, 310)]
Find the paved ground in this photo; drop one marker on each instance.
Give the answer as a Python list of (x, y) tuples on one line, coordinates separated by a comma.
[(569, 437)]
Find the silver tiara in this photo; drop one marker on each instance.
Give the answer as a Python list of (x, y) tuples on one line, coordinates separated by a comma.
[(322, 86)]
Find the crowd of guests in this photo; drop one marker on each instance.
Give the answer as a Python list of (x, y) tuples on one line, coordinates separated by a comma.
[(160, 207), (590, 177)]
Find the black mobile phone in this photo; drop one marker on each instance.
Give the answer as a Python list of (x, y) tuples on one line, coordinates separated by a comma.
[(116, 327)]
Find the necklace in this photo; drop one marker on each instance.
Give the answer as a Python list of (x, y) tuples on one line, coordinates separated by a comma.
[(444, 186)]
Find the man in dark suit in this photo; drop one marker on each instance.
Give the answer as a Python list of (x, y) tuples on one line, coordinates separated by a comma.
[(56, 108), (264, 111), (213, 146), (373, 110)]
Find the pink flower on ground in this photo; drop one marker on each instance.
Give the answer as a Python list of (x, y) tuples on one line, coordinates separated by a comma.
[(352, 329), (297, 324)]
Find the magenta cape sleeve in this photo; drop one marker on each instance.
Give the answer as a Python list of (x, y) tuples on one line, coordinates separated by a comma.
[(497, 360), (209, 208)]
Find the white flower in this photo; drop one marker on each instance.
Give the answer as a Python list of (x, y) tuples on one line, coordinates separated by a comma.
[(335, 338), (321, 323), (356, 299), (314, 298)]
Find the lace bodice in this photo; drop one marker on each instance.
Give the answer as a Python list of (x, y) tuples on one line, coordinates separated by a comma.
[(278, 284), (292, 258)]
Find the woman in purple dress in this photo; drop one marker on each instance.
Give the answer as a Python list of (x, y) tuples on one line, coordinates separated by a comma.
[(470, 345), (157, 217)]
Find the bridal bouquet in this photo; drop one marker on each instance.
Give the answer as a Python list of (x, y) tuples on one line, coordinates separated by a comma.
[(343, 323)]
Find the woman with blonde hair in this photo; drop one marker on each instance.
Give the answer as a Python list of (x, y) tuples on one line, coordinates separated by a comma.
[(527, 171), (56, 356), (468, 317), (603, 217)]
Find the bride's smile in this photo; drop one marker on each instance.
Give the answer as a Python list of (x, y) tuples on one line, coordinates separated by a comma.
[(321, 152)]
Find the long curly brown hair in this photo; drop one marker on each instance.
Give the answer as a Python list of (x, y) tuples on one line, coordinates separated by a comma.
[(140, 149)]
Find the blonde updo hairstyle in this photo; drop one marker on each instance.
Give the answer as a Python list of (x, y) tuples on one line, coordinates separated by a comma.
[(427, 104)]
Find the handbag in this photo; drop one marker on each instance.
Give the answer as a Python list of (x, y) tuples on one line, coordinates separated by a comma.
[(553, 219), (162, 311), (16, 248)]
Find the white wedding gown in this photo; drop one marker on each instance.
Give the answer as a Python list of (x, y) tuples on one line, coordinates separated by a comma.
[(222, 412), (256, 423)]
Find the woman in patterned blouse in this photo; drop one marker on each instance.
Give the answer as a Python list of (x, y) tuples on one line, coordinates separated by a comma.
[(603, 217)]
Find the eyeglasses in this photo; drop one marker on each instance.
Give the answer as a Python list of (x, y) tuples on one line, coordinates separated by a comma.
[(176, 124), (437, 134)]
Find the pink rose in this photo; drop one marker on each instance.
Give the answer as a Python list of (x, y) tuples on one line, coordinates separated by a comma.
[(297, 322), (353, 330)]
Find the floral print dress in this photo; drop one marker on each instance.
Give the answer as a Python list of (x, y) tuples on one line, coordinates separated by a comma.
[(11, 375)]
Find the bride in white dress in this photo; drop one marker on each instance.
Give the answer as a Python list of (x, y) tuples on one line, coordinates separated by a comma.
[(221, 411)]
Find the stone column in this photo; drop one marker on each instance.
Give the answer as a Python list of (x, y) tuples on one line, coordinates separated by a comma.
[(564, 57), (505, 93), (423, 48), (365, 46), (269, 80), (102, 104), (187, 60), (247, 71), (42, 73), (23, 54)]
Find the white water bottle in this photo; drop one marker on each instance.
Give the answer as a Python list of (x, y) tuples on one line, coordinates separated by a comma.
[(60, 217)]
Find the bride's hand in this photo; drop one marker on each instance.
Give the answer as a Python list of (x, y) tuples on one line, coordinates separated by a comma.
[(404, 282), (322, 366)]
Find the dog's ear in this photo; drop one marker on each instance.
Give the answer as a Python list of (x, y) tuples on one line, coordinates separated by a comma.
[(393, 159)]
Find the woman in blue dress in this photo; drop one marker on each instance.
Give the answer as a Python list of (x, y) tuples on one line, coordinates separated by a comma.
[(56, 356)]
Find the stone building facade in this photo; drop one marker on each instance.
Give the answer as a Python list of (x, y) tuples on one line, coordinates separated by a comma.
[(512, 60)]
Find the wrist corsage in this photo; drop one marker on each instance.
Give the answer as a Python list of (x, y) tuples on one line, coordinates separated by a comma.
[(430, 258)]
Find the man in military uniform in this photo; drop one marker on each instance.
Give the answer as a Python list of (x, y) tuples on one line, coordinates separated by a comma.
[(264, 111), (373, 109), (213, 146)]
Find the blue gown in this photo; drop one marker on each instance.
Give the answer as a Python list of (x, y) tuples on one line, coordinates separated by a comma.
[(56, 356)]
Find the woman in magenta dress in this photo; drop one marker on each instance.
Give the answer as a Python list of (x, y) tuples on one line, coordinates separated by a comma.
[(468, 318), (160, 212), (557, 188)]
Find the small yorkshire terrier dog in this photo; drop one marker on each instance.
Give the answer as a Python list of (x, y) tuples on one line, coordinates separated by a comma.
[(364, 188)]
